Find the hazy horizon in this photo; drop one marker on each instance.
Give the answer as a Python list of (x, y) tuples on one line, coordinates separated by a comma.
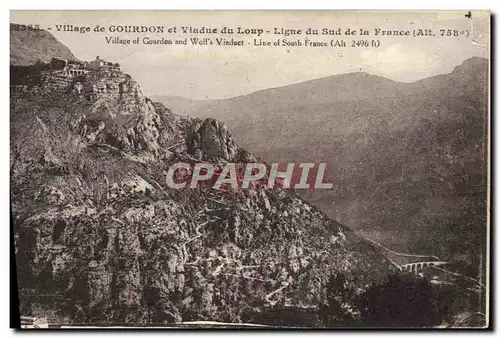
[(200, 72), (319, 78)]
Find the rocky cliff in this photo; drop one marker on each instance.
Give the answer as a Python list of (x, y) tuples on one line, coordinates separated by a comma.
[(409, 160), (101, 238), (30, 44)]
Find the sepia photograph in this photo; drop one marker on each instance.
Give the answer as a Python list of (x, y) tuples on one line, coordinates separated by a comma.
[(250, 169)]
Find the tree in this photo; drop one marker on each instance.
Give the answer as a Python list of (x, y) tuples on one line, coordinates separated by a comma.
[(403, 301), (338, 295)]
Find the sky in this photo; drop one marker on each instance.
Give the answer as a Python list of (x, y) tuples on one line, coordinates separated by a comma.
[(202, 72)]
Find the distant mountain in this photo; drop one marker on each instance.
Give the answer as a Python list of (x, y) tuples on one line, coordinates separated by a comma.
[(408, 160), (29, 46), (181, 105), (101, 238)]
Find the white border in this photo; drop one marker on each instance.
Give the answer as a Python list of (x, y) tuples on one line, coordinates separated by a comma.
[(200, 4)]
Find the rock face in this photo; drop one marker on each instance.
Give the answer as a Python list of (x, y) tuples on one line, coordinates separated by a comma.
[(97, 226), (29, 46), (421, 136), (121, 116), (212, 139)]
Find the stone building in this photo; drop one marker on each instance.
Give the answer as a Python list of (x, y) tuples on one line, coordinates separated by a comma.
[(62, 74), (66, 67), (97, 63)]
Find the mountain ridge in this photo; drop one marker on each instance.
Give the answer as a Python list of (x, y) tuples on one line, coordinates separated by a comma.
[(473, 61), (29, 45), (96, 226), (274, 127)]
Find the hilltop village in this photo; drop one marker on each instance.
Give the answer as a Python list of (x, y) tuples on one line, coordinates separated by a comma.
[(88, 78)]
